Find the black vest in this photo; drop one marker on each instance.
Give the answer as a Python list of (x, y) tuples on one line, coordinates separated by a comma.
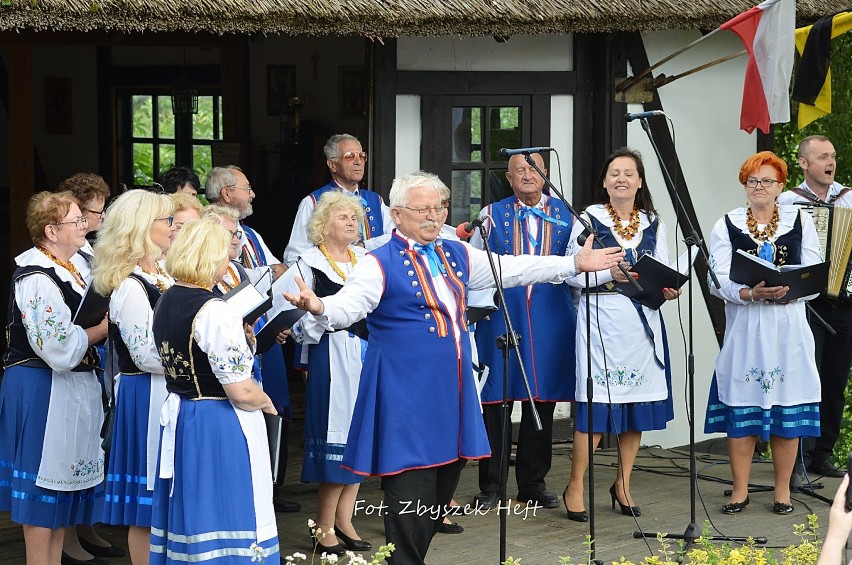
[(786, 250), (324, 286), (125, 362), (188, 372), (19, 351)]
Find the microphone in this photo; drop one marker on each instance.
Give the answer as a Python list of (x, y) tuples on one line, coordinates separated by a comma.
[(505, 153), (644, 115), (466, 229)]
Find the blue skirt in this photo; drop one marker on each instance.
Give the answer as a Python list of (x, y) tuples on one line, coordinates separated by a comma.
[(205, 513), (322, 460), (800, 420), (24, 401), (636, 416), (128, 500)]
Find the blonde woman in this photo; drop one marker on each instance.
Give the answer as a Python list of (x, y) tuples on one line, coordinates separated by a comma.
[(213, 437), (187, 207), (334, 367), (135, 234)]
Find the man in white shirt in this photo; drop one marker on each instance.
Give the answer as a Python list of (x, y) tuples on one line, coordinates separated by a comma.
[(818, 161), (347, 163)]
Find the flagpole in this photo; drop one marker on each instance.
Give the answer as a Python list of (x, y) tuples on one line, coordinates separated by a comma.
[(663, 80), (629, 83)]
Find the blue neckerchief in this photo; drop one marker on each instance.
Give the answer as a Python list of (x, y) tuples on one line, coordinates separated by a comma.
[(524, 213), (436, 266), (766, 252)]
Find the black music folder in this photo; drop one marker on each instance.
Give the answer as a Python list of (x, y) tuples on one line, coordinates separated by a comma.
[(249, 301), (750, 270), (654, 276), (283, 319), (274, 429), (92, 309)]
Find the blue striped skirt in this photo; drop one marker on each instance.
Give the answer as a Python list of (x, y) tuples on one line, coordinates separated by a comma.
[(24, 401), (205, 513), (128, 500), (800, 420)]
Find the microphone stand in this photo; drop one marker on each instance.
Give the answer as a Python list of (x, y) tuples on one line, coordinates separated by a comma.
[(509, 340), (691, 238), (589, 380)]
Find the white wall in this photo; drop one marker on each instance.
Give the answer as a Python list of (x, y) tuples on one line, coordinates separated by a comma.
[(705, 109)]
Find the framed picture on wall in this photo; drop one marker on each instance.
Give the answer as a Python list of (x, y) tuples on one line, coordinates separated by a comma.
[(352, 85), (280, 86)]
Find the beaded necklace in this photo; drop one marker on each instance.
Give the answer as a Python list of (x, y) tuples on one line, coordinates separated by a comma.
[(190, 284), (158, 281), (334, 265), (766, 233), (632, 226), (67, 265)]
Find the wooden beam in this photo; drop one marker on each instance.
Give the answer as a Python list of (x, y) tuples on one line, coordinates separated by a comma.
[(235, 99), (21, 145)]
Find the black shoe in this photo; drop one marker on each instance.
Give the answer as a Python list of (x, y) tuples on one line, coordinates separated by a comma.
[(68, 560), (486, 500), (782, 508), (282, 505), (581, 516), (319, 548), (352, 543), (101, 551), (735, 507), (625, 510), (451, 528), (825, 469), (543, 498)]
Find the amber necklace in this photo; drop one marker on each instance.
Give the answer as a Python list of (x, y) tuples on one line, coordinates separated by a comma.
[(632, 226), (334, 265), (67, 265), (766, 233), (191, 284), (158, 281)]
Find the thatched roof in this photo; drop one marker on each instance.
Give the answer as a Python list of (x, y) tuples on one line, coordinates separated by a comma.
[(382, 18)]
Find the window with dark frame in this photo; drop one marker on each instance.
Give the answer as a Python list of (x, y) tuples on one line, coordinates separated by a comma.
[(152, 139)]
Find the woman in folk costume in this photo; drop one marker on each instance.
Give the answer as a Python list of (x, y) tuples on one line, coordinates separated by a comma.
[(211, 504), (766, 383), (136, 233), (334, 370), (51, 461), (630, 357)]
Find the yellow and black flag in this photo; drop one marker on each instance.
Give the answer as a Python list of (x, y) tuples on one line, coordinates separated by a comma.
[(812, 88)]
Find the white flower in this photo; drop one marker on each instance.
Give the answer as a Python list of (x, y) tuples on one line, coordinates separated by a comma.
[(329, 557), (300, 556), (311, 523)]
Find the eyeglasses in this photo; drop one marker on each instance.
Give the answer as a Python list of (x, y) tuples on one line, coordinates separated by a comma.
[(236, 234), (765, 183), (78, 223), (350, 156), (98, 213), (422, 212), (168, 219), (246, 188)]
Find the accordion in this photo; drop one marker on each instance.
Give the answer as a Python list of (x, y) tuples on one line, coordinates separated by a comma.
[(834, 228)]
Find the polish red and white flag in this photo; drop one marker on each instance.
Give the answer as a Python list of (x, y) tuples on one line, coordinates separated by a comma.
[(768, 31)]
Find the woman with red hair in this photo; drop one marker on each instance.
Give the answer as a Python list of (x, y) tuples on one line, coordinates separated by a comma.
[(766, 383)]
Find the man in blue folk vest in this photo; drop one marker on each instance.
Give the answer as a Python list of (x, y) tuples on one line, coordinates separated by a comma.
[(527, 223), (347, 163), (229, 187), (416, 418)]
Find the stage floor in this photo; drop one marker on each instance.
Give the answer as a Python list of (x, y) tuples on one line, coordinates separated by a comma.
[(660, 485)]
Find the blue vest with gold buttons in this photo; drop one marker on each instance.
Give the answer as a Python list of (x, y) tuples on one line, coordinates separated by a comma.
[(417, 405), (545, 318), (374, 224)]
